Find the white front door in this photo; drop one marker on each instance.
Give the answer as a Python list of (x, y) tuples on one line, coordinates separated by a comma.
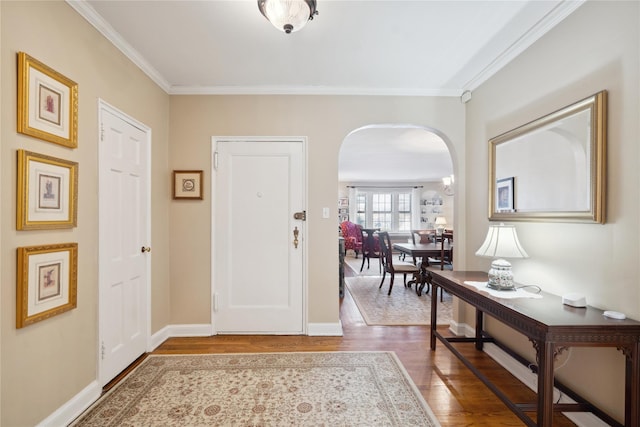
[(124, 219), (258, 267)]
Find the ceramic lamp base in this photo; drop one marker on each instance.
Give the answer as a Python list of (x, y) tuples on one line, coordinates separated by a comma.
[(501, 276)]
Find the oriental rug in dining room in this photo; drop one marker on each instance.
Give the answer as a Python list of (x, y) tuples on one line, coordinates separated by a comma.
[(264, 389), (402, 308)]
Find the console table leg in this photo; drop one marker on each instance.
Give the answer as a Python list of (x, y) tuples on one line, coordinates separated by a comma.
[(632, 387), (545, 383), (434, 314), (479, 328)]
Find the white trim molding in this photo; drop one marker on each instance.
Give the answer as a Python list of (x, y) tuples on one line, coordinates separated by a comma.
[(170, 331), (324, 329), (71, 410)]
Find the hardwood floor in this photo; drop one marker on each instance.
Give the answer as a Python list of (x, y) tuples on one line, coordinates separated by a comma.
[(455, 395)]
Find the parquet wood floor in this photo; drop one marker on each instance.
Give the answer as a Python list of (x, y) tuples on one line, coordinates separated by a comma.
[(455, 395)]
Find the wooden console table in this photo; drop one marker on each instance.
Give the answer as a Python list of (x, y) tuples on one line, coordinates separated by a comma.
[(551, 327)]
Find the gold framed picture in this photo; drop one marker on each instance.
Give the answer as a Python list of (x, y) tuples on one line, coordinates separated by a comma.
[(187, 185), (47, 103), (47, 282), (47, 192)]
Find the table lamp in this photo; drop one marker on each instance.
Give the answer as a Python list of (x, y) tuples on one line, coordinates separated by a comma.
[(501, 242), (441, 222)]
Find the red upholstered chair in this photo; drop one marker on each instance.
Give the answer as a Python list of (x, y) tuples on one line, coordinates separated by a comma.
[(352, 236)]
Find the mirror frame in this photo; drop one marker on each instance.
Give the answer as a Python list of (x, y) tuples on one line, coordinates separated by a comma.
[(597, 105)]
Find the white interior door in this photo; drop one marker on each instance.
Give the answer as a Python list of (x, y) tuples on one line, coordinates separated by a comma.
[(124, 219), (258, 269)]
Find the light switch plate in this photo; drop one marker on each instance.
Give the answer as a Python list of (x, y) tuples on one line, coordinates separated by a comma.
[(325, 212)]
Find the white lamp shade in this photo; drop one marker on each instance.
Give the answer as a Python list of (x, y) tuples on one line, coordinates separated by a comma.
[(287, 14), (502, 242), (441, 220)]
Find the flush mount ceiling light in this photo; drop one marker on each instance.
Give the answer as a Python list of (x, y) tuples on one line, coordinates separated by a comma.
[(288, 15)]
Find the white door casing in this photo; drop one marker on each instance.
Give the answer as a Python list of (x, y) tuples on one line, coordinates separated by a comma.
[(124, 239), (258, 272)]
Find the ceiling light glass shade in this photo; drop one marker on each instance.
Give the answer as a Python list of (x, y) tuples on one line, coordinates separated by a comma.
[(501, 242), (288, 15)]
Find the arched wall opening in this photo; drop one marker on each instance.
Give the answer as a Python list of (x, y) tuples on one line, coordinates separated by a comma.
[(396, 159)]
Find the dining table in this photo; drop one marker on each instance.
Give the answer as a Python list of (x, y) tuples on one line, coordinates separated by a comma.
[(424, 251)]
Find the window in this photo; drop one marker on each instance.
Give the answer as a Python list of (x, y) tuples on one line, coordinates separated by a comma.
[(404, 211), (381, 211), (361, 209), (386, 209)]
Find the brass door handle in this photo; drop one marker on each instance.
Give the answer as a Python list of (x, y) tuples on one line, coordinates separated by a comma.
[(145, 249), (295, 237)]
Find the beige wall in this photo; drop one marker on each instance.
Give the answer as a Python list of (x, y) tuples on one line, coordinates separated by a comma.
[(47, 363), (594, 49), (325, 120), (51, 361)]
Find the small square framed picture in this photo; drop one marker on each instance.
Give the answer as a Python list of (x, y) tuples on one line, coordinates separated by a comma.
[(187, 185)]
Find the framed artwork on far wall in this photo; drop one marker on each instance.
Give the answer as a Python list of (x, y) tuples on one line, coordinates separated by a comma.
[(47, 192), (47, 103), (47, 282), (505, 195), (187, 184)]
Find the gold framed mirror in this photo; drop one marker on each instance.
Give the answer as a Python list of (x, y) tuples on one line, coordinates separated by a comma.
[(553, 168)]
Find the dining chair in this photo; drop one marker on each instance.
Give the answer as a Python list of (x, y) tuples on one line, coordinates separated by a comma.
[(421, 236), (370, 248), (389, 267), (445, 260)]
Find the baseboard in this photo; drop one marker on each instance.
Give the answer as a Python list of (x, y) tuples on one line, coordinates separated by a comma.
[(324, 329), (74, 407), (169, 331), (205, 330), (461, 329), (528, 378), (158, 338)]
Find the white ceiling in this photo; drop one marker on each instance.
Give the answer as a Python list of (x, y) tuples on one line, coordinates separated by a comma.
[(369, 47), (398, 153)]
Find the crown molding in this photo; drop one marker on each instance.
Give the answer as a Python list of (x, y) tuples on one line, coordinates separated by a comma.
[(561, 11), (87, 12), (546, 23), (308, 90)]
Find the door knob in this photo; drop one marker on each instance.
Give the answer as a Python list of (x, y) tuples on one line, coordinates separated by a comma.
[(146, 249)]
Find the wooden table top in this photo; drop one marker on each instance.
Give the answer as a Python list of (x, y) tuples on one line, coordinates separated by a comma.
[(548, 310)]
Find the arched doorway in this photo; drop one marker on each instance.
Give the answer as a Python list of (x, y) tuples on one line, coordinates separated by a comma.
[(395, 159)]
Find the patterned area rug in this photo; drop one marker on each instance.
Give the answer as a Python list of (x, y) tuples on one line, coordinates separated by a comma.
[(268, 389), (402, 307)]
